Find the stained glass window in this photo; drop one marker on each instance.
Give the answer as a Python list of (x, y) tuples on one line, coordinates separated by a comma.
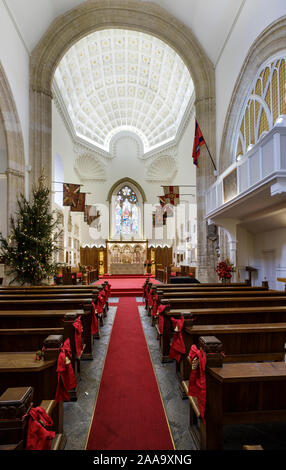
[(126, 212)]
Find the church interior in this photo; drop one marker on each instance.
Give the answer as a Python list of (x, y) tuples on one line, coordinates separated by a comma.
[(142, 225)]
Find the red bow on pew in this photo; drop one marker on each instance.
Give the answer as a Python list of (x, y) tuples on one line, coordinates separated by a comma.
[(66, 377), (161, 309), (177, 347), (39, 436), (94, 321), (150, 298), (78, 332), (108, 290), (197, 381), (99, 304), (155, 305)]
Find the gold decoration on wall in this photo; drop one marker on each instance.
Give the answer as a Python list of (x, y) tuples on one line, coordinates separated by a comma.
[(266, 101)]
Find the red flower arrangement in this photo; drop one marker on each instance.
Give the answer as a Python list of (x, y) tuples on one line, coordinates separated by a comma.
[(224, 269)]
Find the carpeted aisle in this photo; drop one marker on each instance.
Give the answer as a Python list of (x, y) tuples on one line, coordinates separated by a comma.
[(125, 285), (129, 413)]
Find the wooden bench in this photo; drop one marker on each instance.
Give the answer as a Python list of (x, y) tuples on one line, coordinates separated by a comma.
[(62, 292), (27, 339), (15, 404), (201, 284), (242, 343), (198, 287), (238, 393), (268, 313), (195, 287), (218, 293), (20, 369), (47, 304)]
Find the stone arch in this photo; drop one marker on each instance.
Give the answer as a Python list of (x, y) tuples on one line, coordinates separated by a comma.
[(123, 181), (269, 42), (14, 145), (146, 17)]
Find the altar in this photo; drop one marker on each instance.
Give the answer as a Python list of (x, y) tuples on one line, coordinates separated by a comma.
[(126, 257)]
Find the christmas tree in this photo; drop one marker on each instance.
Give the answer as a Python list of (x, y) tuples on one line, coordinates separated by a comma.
[(28, 250)]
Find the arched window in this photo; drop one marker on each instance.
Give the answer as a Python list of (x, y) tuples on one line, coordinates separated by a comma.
[(126, 212), (265, 104)]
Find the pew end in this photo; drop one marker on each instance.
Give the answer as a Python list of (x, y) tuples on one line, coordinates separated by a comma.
[(195, 420), (252, 447), (55, 410), (15, 404)]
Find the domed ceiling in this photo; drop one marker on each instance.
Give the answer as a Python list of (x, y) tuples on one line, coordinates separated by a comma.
[(114, 80)]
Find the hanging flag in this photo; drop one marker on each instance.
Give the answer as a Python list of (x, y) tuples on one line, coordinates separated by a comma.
[(165, 215), (86, 212), (169, 210), (94, 218), (71, 194), (172, 195), (80, 204), (159, 217), (91, 214), (199, 141)]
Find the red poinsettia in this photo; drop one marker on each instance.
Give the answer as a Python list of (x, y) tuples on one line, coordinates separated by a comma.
[(224, 269)]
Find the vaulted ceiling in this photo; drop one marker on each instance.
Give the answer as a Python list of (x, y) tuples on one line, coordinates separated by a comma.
[(115, 80)]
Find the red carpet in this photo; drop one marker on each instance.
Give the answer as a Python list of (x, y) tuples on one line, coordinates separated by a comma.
[(126, 285), (129, 414)]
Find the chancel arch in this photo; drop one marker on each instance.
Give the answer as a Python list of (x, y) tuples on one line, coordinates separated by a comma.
[(136, 15)]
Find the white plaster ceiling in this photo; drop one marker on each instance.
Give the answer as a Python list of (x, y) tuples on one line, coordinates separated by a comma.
[(210, 20), (115, 79)]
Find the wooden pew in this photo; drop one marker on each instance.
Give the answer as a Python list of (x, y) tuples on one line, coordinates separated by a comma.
[(20, 369), (67, 292), (242, 343), (217, 294), (196, 287), (175, 292), (237, 393), (47, 295), (72, 287), (27, 339), (269, 310), (61, 305), (202, 285), (224, 302), (15, 404)]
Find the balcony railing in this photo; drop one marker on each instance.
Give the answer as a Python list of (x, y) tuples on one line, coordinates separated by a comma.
[(264, 163)]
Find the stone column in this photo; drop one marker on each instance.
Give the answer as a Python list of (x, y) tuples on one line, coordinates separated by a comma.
[(205, 108), (233, 258)]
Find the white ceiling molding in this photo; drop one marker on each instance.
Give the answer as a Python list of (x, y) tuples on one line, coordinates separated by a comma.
[(163, 168), (126, 135), (89, 168), (78, 142)]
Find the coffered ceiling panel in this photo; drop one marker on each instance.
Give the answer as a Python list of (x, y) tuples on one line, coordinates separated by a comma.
[(114, 80)]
